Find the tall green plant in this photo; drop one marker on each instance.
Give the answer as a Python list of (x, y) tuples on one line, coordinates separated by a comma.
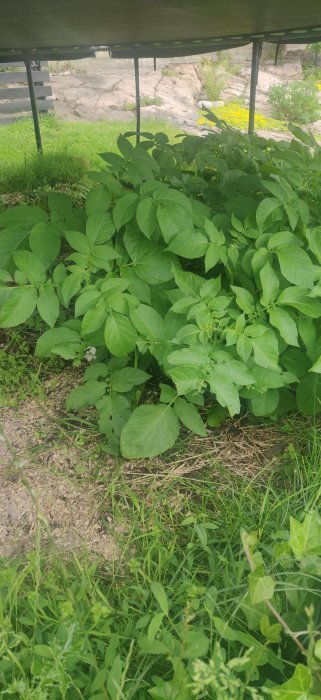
[(297, 100), (247, 630), (200, 262)]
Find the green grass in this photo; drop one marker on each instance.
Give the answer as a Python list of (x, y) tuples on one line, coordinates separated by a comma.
[(70, 149), (74, 629), (21, 373)]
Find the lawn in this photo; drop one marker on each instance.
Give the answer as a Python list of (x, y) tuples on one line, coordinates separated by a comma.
[(70, 149), (195, 573)]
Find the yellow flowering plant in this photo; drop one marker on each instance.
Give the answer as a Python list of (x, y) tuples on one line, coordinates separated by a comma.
[(237, 116)]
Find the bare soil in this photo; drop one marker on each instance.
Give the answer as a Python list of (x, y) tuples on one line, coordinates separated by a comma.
[(45, 473), (39, 484)]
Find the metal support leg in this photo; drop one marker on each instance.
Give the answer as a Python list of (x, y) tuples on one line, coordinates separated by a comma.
[(277, 51), (136, 66), (34, 107), (256, 49), (155, 64)]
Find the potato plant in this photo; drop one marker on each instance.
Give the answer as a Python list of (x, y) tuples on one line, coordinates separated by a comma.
[(194, 268)]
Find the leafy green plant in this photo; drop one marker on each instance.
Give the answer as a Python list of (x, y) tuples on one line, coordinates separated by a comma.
[(297, 101), (315, 49), (146, 101), (212, 79), (168, 72), (19, 370), (129, 106), (197, 263)]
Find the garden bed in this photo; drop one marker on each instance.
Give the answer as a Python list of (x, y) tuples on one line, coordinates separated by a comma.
[(169, 336)]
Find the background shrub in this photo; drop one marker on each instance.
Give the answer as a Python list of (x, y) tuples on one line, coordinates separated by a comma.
[(213, 81), (297, 101)]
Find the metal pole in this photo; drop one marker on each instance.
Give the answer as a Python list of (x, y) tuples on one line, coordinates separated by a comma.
[(136, 66), (34, 107), (254, 75), (154, 63), (277, 53)]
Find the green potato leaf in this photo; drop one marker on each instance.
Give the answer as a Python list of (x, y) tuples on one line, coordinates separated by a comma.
[(31, 265), (189, 416), (146, 216), (98, 200), (19, 307), (270, 284), (48, 304), (85, 395), (296, 266), (120, 335), (45, 242), (148, 322), (189, 244), (150, 431), (57, 337), (283, 321), (125, 209)]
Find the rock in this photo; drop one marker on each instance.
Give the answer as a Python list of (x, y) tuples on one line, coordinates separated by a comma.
[(231, 93), (204, 104), (237, 81), (207, 104), (101, 89), (314, 126), (266, 80), (103, 94), (149, 112), (289, 70), (263, 107)]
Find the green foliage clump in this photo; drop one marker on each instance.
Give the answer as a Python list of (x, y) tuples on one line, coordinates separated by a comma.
[(19, 370), (297, 101), (311, 57), (212, 77), (195, 266), (246, 630), (145, 101), (168, 72)]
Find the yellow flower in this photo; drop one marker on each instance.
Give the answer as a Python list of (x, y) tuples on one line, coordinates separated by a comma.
[(237, 116)]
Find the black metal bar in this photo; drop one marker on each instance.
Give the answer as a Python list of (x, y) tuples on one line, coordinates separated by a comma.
[(34, 107), (277, 50), (137, 89), (256, 49), (155, 63)]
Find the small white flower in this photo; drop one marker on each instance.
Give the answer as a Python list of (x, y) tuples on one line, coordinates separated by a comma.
[(90, 354)]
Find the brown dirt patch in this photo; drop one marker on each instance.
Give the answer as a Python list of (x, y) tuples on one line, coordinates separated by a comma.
[(38, 482), (41, 460)]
